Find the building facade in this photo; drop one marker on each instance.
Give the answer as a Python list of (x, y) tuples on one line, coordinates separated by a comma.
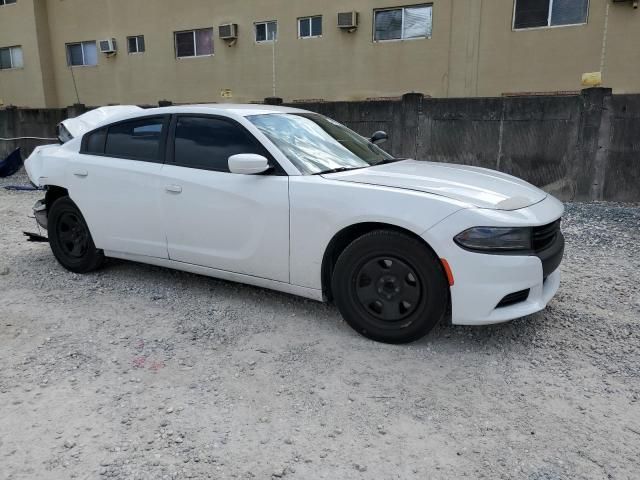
[(55, 53)]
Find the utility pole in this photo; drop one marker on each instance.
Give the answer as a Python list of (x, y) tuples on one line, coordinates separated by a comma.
[(273, 50)]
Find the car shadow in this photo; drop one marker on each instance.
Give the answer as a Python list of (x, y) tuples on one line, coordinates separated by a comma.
[(161, 283)]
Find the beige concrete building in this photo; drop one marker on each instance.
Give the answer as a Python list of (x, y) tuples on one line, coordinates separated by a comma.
[(50, 50)]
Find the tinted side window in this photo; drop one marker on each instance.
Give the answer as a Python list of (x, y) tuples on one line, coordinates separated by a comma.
[(95, 142), (137, 139), (207, 143)]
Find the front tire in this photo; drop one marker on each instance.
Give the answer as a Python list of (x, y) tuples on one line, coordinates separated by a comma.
[(390, 287), (70, 239)]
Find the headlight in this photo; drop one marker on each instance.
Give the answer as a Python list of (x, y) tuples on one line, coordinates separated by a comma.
[(487, 239)]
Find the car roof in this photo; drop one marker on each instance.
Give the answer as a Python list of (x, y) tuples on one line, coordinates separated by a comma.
[(243, 110), (103, 116)]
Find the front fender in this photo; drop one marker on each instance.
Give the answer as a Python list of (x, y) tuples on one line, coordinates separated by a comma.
[(320, 208)]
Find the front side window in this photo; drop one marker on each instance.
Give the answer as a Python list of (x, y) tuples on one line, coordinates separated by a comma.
[(310, 27), (266, 31), (82, 54), (549, 13), (194, 43), (403, 23), (136, 139), (136, 44), (6, 2), (11, 57), (314, 143), (207, 143)]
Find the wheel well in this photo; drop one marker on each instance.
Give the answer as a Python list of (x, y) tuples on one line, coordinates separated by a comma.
[(54, 193), (344, 237)]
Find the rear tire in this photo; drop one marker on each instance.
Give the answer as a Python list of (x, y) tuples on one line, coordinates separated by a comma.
[(70, 239), (390, 287)]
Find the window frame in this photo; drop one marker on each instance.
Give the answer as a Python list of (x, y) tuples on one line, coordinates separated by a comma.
[(68, 45), (549, 13), (195, 43), (276, 169), (403, 8), (137, 39), (6, 3), (162, 149), (310, 19), (266, 24), (11, 49)]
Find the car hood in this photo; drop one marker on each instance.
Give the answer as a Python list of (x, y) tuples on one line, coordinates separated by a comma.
[(476, 186)]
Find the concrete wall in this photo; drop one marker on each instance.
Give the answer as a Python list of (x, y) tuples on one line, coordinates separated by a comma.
[(578, 147), (18, 122), (473, 52)]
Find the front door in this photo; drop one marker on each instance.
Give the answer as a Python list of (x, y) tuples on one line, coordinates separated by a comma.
[(214, 218)]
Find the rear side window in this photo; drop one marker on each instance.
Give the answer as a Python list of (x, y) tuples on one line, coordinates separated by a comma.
[(95, 142), (207, 143), (137, 139)]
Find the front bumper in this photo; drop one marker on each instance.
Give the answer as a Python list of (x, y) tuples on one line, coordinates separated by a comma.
[(481, 281)]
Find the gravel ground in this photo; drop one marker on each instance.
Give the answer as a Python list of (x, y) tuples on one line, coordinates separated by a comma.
[(138, 372)]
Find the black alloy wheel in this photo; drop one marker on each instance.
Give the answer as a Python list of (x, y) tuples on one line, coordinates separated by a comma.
[(70, 238), (390, 287)]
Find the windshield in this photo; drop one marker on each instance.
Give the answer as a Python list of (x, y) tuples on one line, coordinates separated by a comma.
[(315, 144)]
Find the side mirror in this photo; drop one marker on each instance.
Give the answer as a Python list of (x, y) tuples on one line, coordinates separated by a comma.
[(248, 164), (379, 137)]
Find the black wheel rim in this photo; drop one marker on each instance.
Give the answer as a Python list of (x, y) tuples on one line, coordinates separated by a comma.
[(73, 235), (388, 289)]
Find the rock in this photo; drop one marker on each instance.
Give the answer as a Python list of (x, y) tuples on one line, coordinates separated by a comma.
[(279, 473), (69, 444), (4, 270), (360, 468)]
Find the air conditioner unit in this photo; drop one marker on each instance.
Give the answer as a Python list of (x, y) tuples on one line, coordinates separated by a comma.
[(228, 31), (348, 20), (634, 3), (108, 46)]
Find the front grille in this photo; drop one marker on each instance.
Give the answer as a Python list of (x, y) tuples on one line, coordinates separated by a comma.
[(545, 235), (513, 298)]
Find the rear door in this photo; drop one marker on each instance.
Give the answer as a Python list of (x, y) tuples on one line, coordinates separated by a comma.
[(116, 182), (217, 219)]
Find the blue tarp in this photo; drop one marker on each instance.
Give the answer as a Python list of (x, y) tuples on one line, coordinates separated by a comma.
[(11, 164)]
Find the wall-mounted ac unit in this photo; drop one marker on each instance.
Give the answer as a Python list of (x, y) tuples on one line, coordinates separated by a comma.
[(108, 46), (633, 2), (348, 20), (228, 31)]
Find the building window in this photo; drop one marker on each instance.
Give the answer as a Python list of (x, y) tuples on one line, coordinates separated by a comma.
[(194, 43), (82, 54), (403, 23), (549, 13), (310, 27), (136, 44), (11, 57), (266, 31), (7, 2)]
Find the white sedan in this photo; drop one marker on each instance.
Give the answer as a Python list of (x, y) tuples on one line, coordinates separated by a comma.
[(293, 201)]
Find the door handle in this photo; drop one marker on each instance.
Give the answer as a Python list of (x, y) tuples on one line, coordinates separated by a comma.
[(81, 173), (173, 188)]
